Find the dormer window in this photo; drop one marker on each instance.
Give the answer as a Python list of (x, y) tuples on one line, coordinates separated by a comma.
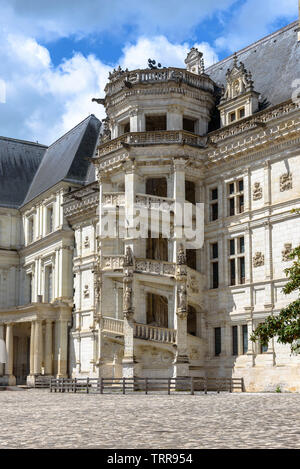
[(239, 99)]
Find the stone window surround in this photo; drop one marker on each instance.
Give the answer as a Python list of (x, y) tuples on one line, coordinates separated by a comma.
[(235, 196), (236, 256)]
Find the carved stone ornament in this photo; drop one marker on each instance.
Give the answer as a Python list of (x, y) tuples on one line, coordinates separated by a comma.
[(239, 81), (182, 299), (127, 297), (86, 291), (286, 182), (86, 242), (181, 257), (258, 259), (257, 191), (106, 134), (128, 259), (286, 252)]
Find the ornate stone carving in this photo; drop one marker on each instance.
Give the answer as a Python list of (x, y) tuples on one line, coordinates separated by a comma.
[(106, 134), (257, 191), (181, 257), (127, 297), (286, 182), (86, 291), (286, 252), (258, 259), (195, 62), (86, 242), (182, 299), (128, 259), (239, 81)]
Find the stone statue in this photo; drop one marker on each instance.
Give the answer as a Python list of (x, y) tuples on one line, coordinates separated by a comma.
[(182, 298), (127, 298), (128, 259)]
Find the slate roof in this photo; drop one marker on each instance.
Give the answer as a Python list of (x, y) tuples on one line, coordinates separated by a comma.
[(274, 62), (67, 158), (19, 161)]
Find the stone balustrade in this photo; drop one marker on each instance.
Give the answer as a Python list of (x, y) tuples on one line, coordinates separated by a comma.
[(151, 138), (113, 325), (164, 75), (153, 201), (113, 198), (154, 267), (112, 262), (157, 334)]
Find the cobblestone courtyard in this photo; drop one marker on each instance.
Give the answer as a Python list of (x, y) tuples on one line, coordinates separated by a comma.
[(38, 419)]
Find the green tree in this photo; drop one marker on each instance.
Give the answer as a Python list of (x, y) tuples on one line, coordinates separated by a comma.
[(286, 325)]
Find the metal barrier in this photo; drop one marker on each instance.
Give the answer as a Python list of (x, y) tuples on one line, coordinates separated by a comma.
[(123, 385)]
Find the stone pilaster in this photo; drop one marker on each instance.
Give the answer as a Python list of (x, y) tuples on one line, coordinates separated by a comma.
[(1, 338), (38, 348), (63, 348), (48, 348), (10, 358)]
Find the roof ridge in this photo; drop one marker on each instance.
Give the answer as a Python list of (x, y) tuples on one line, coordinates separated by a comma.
[(26, 142), (250, 46), (73, 128)]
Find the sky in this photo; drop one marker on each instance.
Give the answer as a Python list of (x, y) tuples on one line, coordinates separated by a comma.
[(55, 55)]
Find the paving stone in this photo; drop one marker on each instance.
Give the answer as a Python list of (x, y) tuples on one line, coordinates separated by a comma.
[(39, 419)]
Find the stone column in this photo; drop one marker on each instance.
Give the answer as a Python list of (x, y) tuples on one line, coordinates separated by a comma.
[(38, 348), (181, 362), (63, 348), (32, 335), (10, 357), (1, 337), (174, 117), (48, 347), (128, 362)]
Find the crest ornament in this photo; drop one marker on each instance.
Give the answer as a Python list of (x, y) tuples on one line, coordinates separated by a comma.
[(258, 259)]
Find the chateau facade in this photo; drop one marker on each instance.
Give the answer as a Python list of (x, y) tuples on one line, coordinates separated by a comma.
[(78, 301)]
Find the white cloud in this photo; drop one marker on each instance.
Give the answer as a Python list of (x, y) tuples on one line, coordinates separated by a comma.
[(62, 18), (254, 20), (163, 51), (44, 101)]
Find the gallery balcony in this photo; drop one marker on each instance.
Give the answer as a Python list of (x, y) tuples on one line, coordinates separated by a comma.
[(160, 137)]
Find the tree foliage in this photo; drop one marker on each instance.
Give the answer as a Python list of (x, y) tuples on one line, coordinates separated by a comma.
[(286, 325)]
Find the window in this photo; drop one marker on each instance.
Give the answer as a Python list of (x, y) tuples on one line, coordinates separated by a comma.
[(213, 202), (190, 192), (214, 265), (30, 229), (234, 340), (232, 117), (156, 123), (50, 219), (241, 113), (188, 125), (29, 287), (48, 284), (235, 197), (126, 128), (245, 339), (237, 261), (217, 341)]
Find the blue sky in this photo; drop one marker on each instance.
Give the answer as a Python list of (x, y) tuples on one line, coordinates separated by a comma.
[(55, 55)]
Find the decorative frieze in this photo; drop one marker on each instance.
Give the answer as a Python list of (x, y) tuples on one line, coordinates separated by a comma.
[(286, 182), (257, 191), (258, 259), (286, 252)]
